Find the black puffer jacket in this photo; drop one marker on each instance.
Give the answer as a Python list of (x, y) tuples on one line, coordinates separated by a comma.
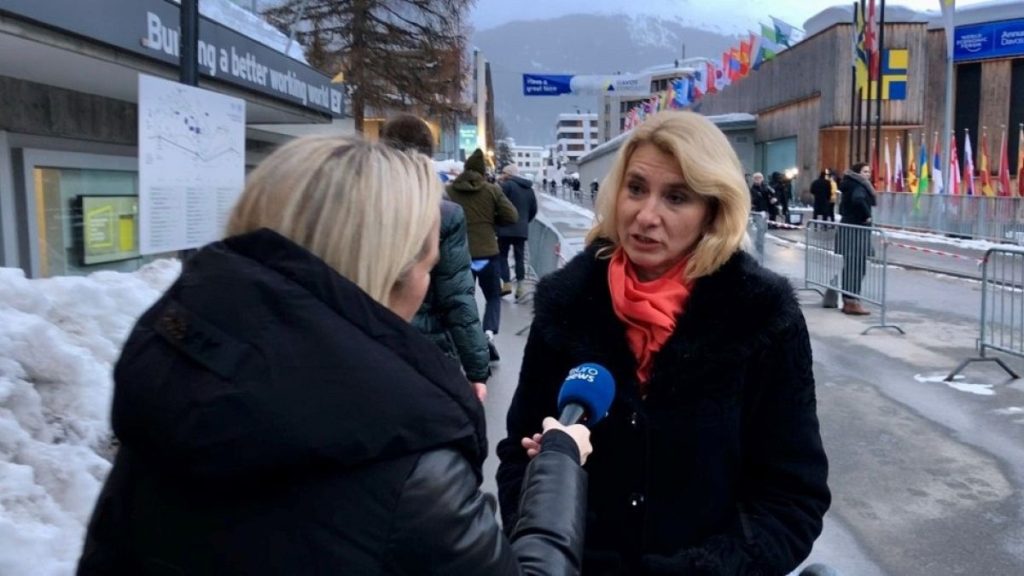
[(720, 469), (520, 193), (858, 198), (274, 419), (449, 315)]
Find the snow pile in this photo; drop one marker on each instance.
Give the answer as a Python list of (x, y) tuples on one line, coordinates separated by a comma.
[(59, 339)]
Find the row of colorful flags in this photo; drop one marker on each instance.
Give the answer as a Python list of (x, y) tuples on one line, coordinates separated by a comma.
[(924, 175), (710, 77)]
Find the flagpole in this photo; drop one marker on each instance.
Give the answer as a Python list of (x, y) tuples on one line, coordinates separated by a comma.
[(853, 92), (878, 81), (870, 119), (949, 6)]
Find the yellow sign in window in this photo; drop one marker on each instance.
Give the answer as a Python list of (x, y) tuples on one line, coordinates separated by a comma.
[(109, 232)]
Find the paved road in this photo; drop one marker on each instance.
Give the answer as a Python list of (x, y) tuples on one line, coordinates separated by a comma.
[(927, 477)]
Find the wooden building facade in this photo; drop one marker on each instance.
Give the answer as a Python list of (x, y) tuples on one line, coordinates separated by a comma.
[(803, 97)]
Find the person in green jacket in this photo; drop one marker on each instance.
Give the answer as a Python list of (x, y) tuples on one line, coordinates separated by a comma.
[(448, 315), (486, 207)]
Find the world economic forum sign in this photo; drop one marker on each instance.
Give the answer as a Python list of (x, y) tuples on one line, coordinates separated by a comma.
[(990, 40)]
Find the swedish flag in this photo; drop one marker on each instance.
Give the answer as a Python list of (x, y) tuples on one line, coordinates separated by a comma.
[(894, 75)]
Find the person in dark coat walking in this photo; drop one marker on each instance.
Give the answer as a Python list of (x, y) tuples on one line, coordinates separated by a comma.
[(710, 459), (783, 189), (761, 196), (519, 191), (449, 314), (821, 190), (278, 414), (486, 208), (855, 205)]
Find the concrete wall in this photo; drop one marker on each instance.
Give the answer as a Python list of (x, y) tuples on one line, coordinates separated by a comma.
[(41, 110)]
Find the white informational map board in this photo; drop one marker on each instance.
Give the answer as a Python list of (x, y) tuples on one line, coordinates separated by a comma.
[(191, 164)]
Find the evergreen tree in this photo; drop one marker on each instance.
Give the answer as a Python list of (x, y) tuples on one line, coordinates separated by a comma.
[(394, 54)]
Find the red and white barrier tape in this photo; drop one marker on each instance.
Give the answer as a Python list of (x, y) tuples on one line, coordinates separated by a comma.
[(773, 224), (937, 252)]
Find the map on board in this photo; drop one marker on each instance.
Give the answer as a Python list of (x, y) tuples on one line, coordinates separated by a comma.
[(191, 164)]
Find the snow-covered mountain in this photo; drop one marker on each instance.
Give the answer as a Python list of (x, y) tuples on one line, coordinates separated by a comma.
[(580, 44)]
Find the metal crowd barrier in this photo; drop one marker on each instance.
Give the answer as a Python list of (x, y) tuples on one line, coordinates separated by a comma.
[(1002, 308), (995, 218), (757, 227), (543, 249), (849, 260)]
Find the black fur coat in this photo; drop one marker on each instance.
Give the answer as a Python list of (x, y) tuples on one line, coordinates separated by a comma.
[(720, 468)]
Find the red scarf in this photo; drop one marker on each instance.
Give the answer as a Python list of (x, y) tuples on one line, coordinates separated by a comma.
[(649, 309)]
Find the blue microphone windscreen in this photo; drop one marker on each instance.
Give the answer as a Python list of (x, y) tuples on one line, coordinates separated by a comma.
[(591, 386)]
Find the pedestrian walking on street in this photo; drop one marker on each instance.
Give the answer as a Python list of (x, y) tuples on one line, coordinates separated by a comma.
[(858, 198), (486, 208), (449, 314), (761, 195), (593, 191), (278, 414), (710, 459), (821, 190), (519, 191)]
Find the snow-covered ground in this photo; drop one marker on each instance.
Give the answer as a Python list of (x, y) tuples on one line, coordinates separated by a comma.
[(59, 339)]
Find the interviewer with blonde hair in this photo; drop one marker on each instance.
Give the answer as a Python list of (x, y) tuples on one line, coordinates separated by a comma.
[(278, 414), (710, 459)]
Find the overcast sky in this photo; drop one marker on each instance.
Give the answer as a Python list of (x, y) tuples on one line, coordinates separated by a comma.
[(738, 14)]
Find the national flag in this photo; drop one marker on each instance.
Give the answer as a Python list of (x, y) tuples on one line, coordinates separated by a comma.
[(985, 166), (783, 32), (744, 57), (756, 56), (1004, 169), (922, 162), (681, 93), (937, 166), (1020, 161), (870, 33), (700, 85), (897, 171), (860, 50), (911, 165), (888, 167), (770, 49), (968, 166), (711, 71), (891, 84), (769, 32), (735, 65), (954, 166)]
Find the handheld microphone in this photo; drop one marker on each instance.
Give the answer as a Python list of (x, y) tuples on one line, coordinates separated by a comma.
[(586, 395)]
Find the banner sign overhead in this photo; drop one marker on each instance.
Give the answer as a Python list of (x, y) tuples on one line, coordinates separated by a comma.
[(627, 85)]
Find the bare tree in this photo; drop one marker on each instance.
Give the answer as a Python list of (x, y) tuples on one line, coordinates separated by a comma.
[(394, 53)]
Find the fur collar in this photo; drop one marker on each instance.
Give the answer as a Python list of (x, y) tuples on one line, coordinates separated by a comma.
[(731, 315)]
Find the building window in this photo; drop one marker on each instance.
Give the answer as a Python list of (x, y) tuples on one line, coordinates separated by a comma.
[(85, 219)]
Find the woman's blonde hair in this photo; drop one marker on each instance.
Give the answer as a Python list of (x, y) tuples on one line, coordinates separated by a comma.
[(365, 209), (710, 168)]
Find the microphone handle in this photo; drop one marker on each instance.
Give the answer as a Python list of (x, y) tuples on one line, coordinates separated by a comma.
[(571, 414)]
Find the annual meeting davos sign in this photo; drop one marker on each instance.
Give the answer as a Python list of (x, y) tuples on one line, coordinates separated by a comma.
[(990, 40), (150, 28)]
